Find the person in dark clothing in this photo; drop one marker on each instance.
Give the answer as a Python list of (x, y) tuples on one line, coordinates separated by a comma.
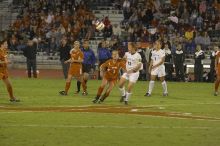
[(198, 66), (179, 58), (104, 54), (64, 55), (30, 52), (212, 65), (168, 63), (88, 63)]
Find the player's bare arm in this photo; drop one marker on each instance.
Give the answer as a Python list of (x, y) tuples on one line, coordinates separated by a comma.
[(150, 66), (216, 63)]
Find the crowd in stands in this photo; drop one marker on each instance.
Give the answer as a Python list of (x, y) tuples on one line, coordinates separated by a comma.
[(177, 23)]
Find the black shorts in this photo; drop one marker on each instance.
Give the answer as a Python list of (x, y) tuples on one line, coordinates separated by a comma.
[(86, 68)]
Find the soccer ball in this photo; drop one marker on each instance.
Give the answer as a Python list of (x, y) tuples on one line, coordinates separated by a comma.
[(99, 25)]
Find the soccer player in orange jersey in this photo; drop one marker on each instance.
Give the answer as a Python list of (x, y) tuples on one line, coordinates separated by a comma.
[(109, 72), (75, 69), (217, 70), (4, 70)]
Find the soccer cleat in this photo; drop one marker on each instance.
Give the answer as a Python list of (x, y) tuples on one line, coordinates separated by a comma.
[(165, 94), (95, 100), (122, 98), (84, 93), (147, 94), (14, 100), (126, 102), (63, 93), (216, 94)]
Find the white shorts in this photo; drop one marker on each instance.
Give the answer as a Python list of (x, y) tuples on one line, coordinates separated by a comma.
[(132, 77), (159, 71)]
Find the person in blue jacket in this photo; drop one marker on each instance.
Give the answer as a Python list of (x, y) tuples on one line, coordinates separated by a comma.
[(104, 54), (88, 64)]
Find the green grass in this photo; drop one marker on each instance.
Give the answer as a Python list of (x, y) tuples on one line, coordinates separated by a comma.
[(99, 129)]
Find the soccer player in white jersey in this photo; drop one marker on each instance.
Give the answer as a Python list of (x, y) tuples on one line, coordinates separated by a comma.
[(133, 65), (157, 68)]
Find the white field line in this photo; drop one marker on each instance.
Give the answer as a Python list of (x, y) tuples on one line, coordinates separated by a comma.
[(106, 126)]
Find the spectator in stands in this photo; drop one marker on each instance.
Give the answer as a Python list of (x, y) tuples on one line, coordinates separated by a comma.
[(116, 31), (212, 65), (217, 25), (178, 59), (126, 9), (103, 54), (30, 53), (64, 51), (198, 66), (168, 62), (205, 41), (88, 64)]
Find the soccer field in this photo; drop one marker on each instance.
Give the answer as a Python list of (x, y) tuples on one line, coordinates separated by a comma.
[(189, 116)]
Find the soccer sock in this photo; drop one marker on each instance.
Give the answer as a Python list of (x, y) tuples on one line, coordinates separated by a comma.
[(84, 86), (99, 93), (104, 96), (67, 87), (127, 96), (216, 85), (122, 91), (78, 85), (151, 86), (10, 91), (164, 85)]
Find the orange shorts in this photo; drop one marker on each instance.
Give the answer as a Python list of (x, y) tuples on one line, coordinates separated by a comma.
[(3, 74), (76, 72)]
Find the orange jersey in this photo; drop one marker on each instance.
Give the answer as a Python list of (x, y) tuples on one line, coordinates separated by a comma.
[(112, 68), (75, 67), (3, 66)]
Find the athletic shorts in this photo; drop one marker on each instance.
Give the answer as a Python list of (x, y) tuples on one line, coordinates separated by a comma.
[(3, 74), (86, 68), (132, 77), (159, 71)]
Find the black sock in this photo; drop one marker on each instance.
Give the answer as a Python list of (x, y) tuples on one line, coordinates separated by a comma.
[(78, 85)]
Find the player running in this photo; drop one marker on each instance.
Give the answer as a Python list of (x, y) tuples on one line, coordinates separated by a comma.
[(157, 68), (4, 70), (133, 65), (109, 72), (75, 69)]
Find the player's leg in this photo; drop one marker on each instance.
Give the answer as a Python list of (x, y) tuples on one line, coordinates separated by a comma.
[(133, 77), (128, 93), (108, 90), (10, 90), (164, 85), (217, 82), (122, 87), (67, 86), (100, 90), (161, 75), (151, 85), (78, 84), (80, 78)]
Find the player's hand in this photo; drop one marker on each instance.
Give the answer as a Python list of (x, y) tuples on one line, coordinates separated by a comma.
[(153, 67), (67, 61)]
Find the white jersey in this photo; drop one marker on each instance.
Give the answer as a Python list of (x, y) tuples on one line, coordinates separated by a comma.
[(132, 60), (157, 56)]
